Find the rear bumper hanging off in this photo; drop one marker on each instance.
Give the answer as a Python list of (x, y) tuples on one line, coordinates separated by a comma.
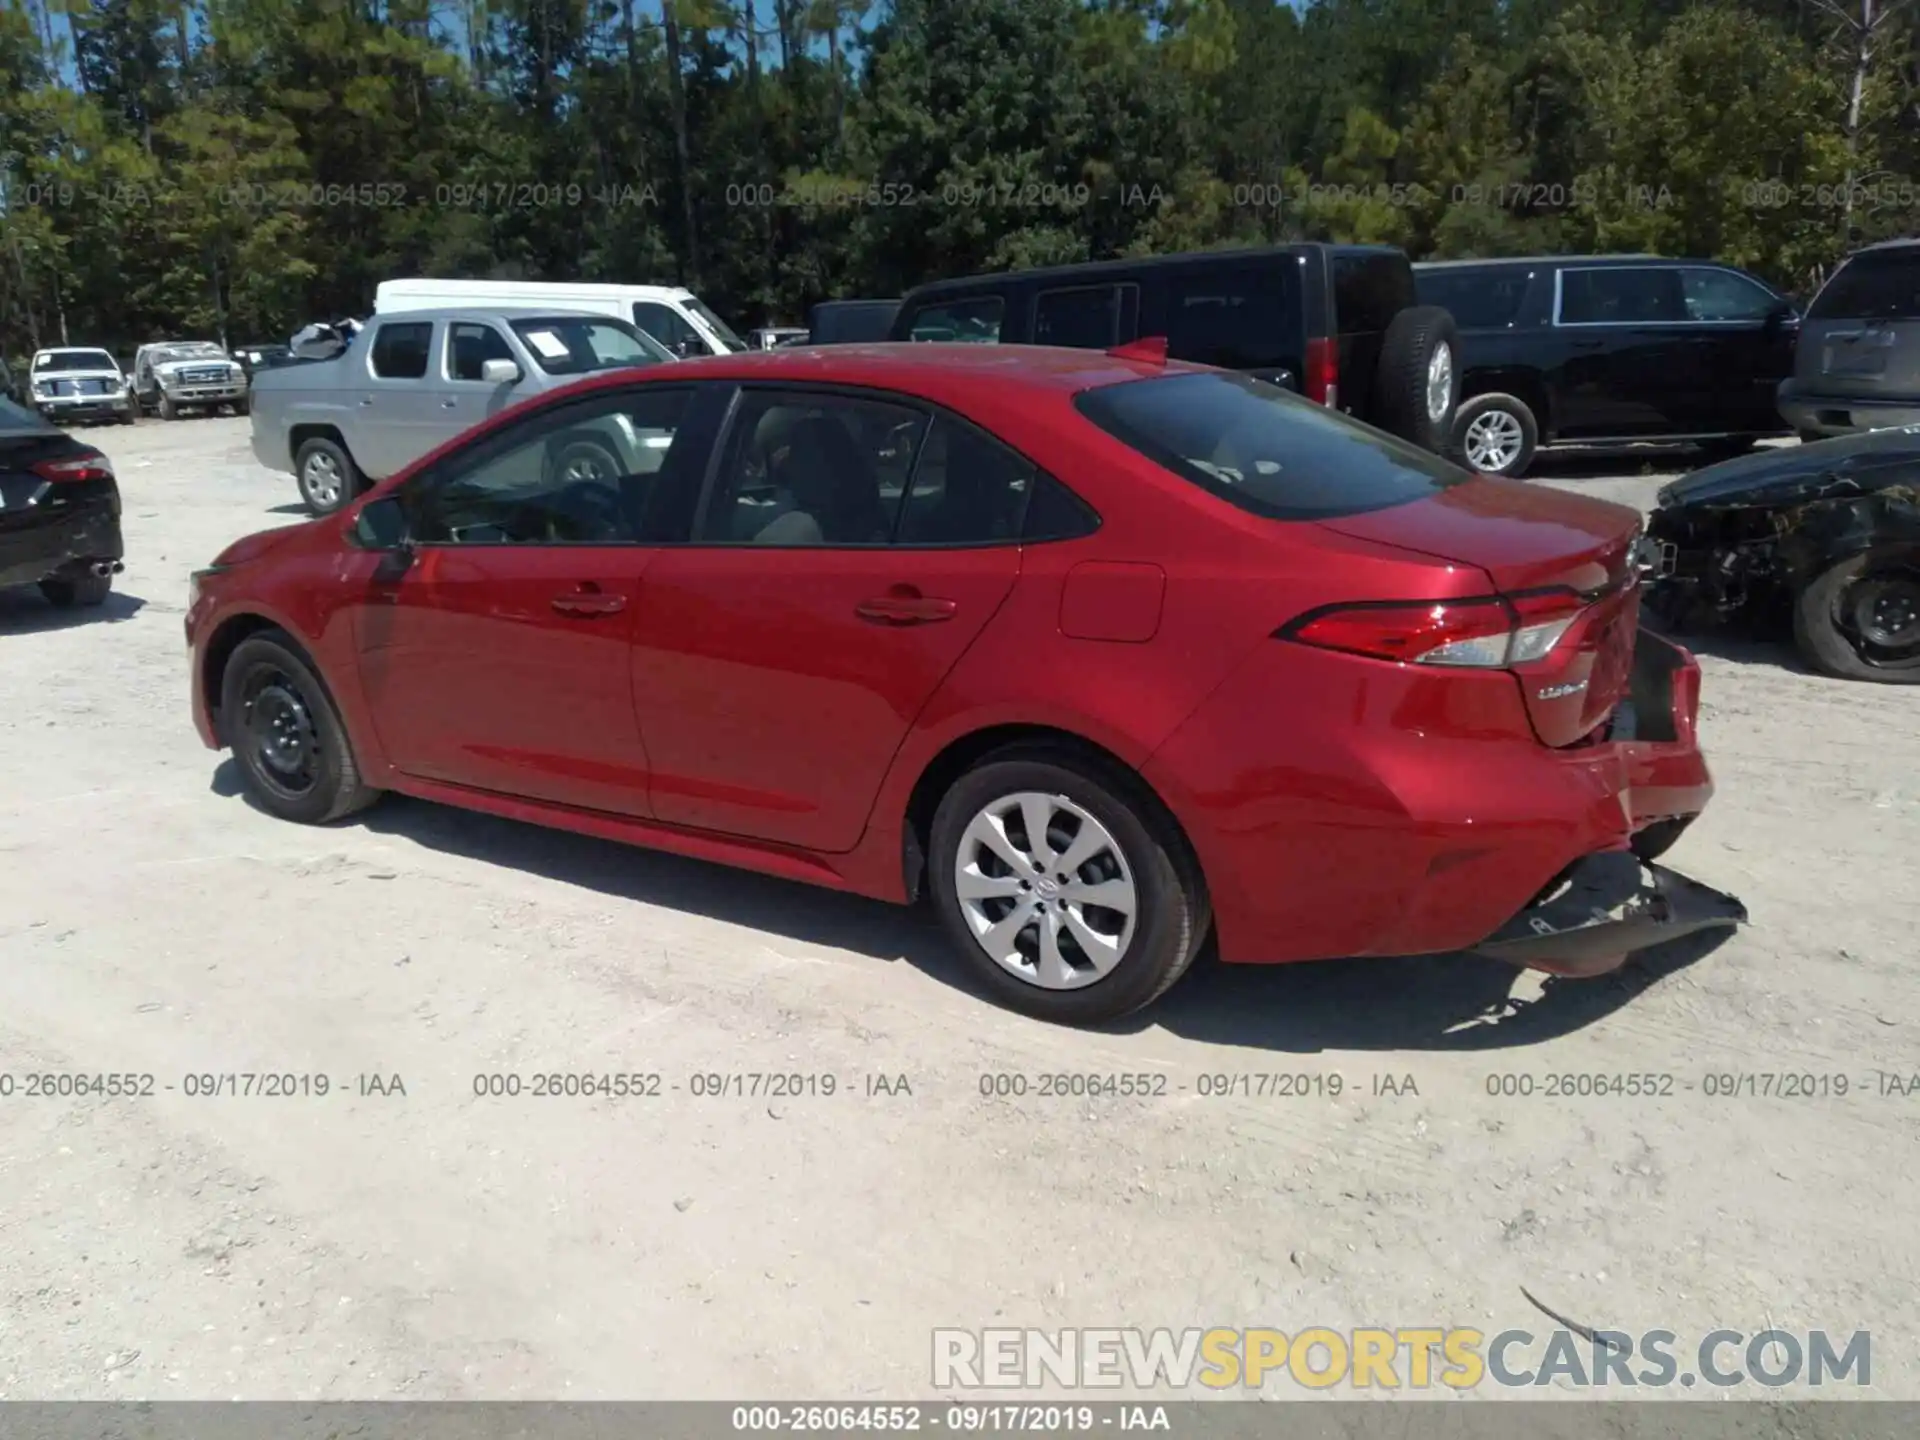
[(1604, 909)]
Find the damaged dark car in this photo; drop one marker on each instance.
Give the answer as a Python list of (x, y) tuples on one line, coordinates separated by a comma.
[(1820, 541), (59, 512)]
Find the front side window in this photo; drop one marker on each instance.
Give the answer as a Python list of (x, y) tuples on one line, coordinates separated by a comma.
[(400, 350), (812, 470), (967, 321), (470, 346), (1264, 449), (1477, 300), (714, 323), (1723, 295), (1238, 318), (580, 475), (669, 327), (1623, 295), (579, 346)]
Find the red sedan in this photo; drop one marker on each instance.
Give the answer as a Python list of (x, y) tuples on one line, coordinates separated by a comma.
[(1101, 653)]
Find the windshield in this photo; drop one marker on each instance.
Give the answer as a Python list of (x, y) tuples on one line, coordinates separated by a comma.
[(74, 360), (714, 323), (188, 350), (569, 345), (1265, 449)]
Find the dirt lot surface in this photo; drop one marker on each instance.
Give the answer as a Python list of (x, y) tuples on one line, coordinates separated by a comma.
[(436, 1244)]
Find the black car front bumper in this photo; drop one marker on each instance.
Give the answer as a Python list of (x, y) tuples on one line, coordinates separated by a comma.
[(51, 529)]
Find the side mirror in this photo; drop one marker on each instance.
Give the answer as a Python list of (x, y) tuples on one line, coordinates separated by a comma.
[(499, 372), (381, 525)]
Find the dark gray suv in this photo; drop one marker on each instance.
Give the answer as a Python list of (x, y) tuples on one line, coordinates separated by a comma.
[(1857, 365)]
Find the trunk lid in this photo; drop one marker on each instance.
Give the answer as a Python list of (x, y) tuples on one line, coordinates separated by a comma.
[(1538, 544)]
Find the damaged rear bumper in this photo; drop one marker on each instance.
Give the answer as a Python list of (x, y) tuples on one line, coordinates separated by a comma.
[(1605, 908)]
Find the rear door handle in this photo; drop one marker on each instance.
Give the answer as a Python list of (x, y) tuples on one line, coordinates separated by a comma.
[(905, 607), (588, 601), (366, 400), (448, 404)]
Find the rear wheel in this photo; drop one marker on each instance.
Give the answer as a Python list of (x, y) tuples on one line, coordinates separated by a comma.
[(1860, 619), (1066, 888), (326, 475), (67, 591), (1417, 384), (287, 736), (1496, 435)]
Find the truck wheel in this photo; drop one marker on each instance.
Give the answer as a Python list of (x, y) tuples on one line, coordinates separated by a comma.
[(168, 410), (1495, 435), (243, 406), (63, 592), (1417, 384), (1860, 619), (326, 475)]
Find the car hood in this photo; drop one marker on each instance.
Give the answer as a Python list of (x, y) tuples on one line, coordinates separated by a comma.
[(42, 377), (1858, 463), (249, 548), (167, 367)]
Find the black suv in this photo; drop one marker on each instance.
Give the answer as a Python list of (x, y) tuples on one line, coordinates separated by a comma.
[(1341, 324), (1604, 350)]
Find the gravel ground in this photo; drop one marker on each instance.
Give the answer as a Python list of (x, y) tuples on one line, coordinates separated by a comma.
[(435, 1244)]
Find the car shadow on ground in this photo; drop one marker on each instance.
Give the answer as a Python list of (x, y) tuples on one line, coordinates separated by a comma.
[(1435, 1003), (1744, 644), (292, 508), (24, 611)]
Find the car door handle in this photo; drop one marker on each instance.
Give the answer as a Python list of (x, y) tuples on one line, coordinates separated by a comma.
[(365, 400), (905, 606), (586, 603), (448, 404)]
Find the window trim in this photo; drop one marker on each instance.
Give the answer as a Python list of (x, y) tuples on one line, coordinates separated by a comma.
[(435, 329), (1559, 294), (494, 444), (932, 410), (446, 352)]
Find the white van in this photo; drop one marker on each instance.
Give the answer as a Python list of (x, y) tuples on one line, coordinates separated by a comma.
[(674, 317)]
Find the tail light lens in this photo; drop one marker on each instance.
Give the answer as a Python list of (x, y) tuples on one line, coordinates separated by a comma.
[(90, 465), (1488, 632), (1322, 379)]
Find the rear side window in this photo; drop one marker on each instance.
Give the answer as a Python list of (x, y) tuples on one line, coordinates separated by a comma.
[(1880, 286), (1237, 317), (976, 321), (1263, 449), (1478, 300), (1640, 295), (1086, 317), (400, 350), (1368, 291)]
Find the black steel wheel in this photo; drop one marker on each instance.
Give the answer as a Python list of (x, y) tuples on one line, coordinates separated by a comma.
[(286, 735)]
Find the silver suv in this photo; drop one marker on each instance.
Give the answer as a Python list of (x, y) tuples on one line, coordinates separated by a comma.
[(407, 383), (1857, 364)]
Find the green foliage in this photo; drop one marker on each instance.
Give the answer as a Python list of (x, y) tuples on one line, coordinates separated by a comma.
[(237, 167)]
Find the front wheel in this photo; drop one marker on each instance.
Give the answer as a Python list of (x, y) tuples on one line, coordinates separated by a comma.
[(1860, 619), (1068, 890), (1496, 435), (286, 735), (168, 410), (326, 476)]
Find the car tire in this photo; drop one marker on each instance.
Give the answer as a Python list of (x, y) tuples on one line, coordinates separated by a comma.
[(1836, 628), (1500, 430), (326, 475), (128, 415), (64, 592), (1416, 385), (168, 410), (583, 458), (1136, 848), (241, 407), (286, 735)]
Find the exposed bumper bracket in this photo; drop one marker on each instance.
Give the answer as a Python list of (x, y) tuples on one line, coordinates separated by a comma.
[(1609, 906)]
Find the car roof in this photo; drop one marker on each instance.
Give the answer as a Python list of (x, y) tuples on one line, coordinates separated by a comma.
[(485, 312), (1491, 261), (499, 289), (1907, 242), (73, 350), (929, 370), (1096, 269)]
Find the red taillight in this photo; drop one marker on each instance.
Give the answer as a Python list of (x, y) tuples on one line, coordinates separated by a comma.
[(1484, 632), (90, 466), (1322, 380)]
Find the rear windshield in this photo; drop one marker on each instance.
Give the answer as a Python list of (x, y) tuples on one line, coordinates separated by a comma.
[(1881, 286), (74, 360), (1483, 300), (1264, 449), (19, 417), (566, 345)]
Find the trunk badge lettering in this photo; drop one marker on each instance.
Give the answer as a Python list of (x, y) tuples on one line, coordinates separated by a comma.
[(1560, 692)]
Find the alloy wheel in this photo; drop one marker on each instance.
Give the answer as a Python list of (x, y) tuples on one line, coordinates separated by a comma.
[(1493, 441), (1440, 383), (321, 478), (1046, 890)]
